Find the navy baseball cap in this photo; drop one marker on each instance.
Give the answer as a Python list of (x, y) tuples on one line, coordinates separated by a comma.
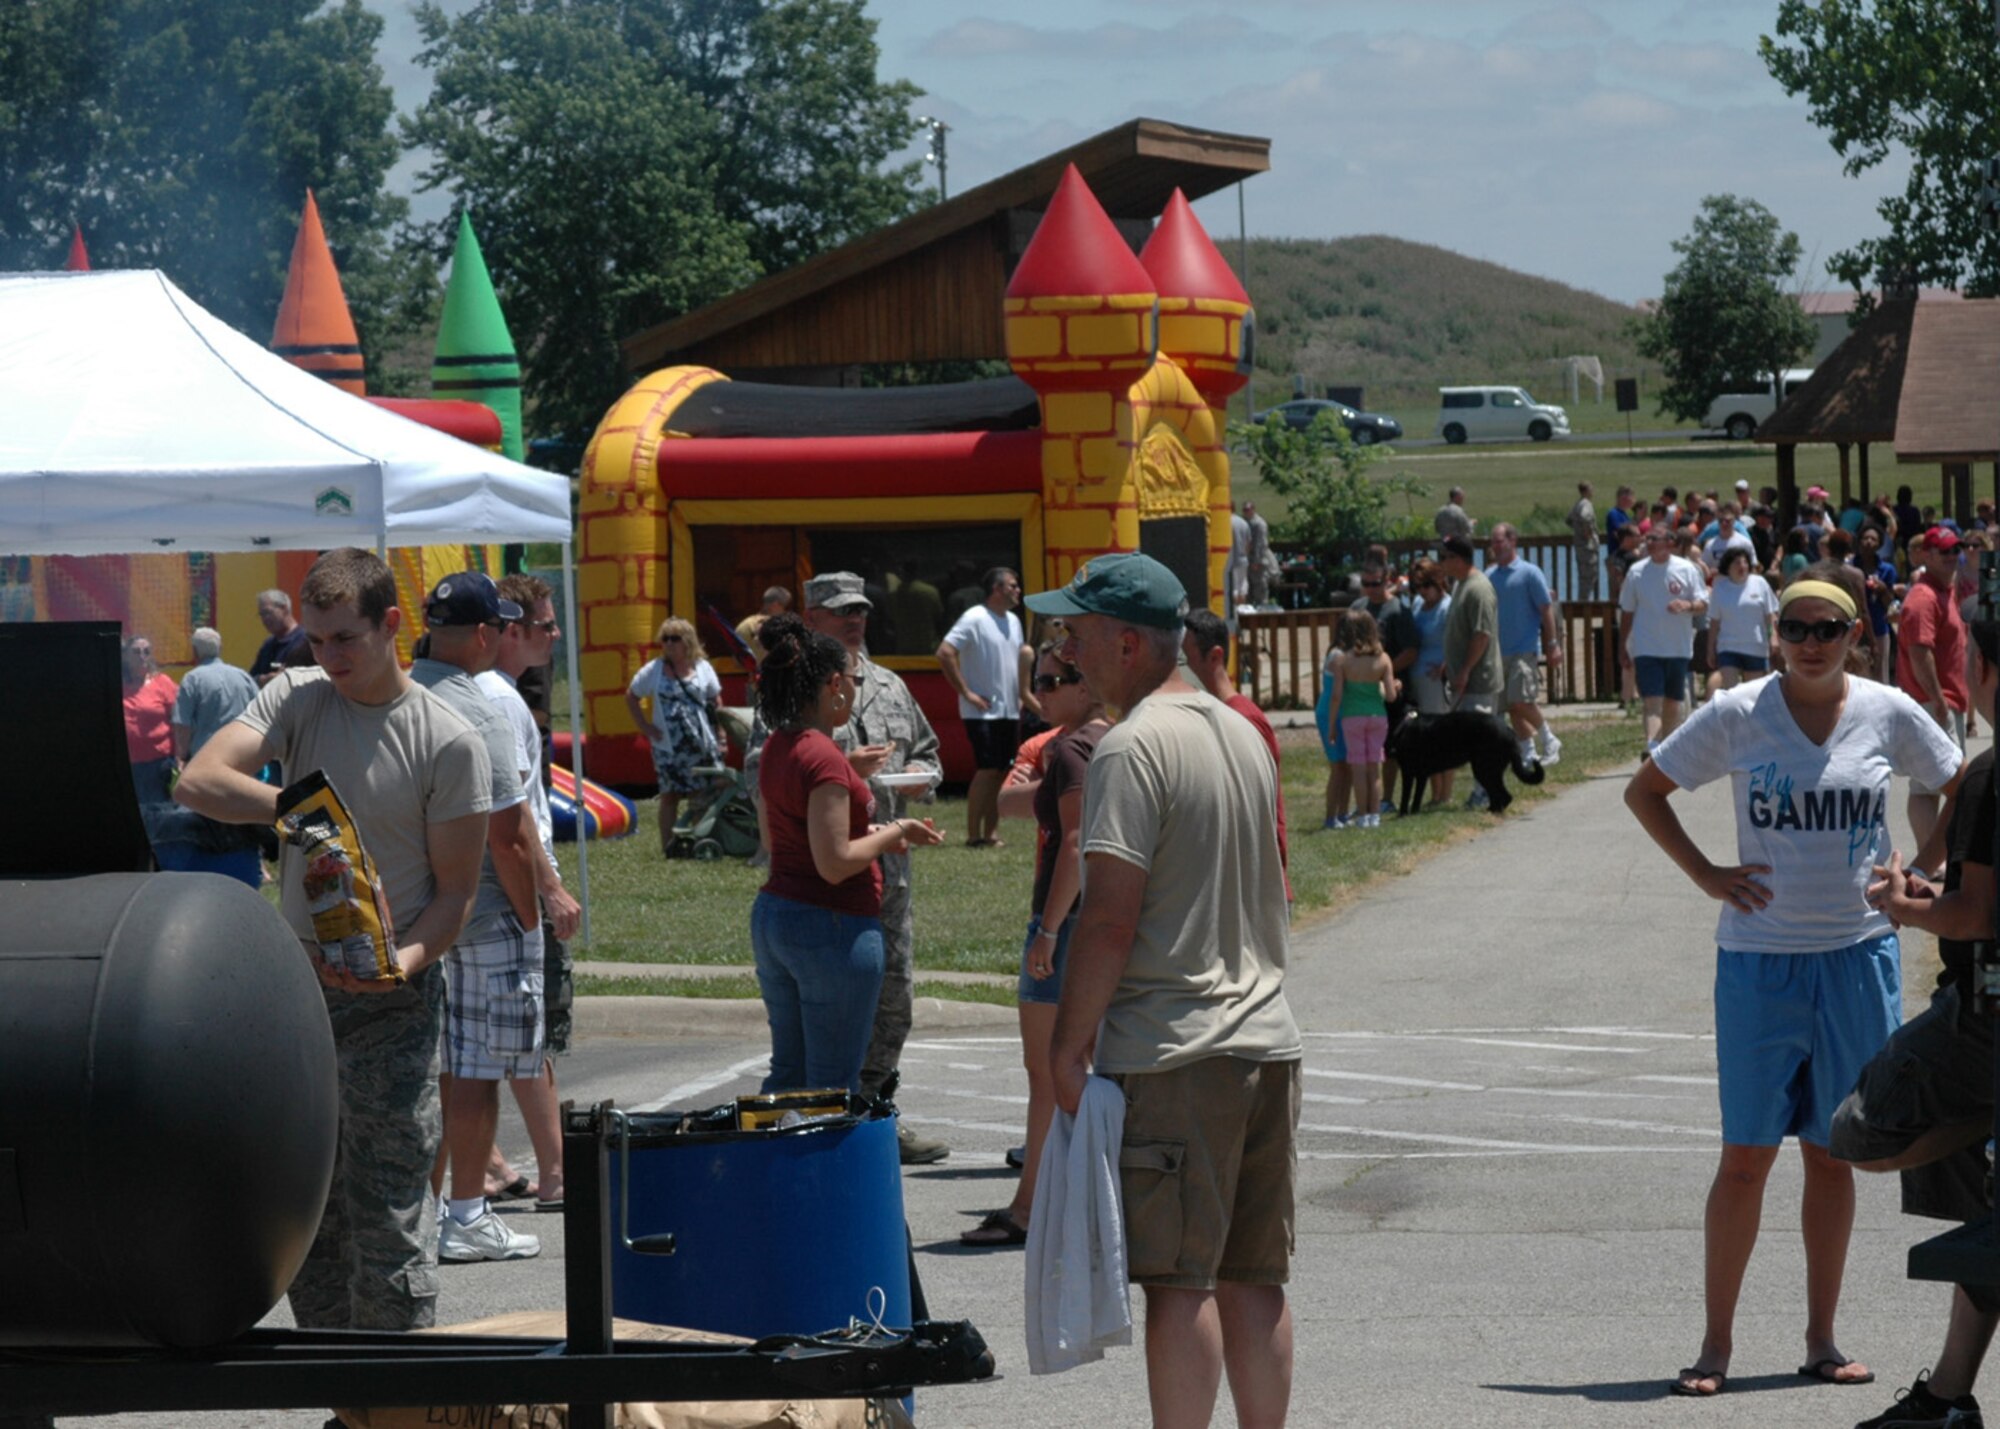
[(468, 598), (1129, 586)]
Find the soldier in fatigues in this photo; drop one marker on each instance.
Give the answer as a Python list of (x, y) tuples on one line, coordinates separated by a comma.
[(415, 779), (886, 734)]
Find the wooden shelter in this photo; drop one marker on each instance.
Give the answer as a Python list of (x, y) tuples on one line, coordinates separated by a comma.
[(1923, 377), (1850, 402), (922, 290), (1950, 408)]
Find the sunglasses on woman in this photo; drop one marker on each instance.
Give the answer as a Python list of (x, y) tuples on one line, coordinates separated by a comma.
[(670, 639), (1797, 632), (1045, 683)]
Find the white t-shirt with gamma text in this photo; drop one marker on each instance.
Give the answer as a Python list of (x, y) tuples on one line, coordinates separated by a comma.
[(1816, 815), (1648, 587)]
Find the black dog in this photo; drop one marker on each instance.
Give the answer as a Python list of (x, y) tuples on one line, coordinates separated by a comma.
[(1430, 744)]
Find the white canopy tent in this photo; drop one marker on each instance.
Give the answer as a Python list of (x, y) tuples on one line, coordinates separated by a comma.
[(134, 421)]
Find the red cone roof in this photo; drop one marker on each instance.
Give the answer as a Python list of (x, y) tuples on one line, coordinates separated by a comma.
[(1184, 261), (1077, 250), (79, 256)]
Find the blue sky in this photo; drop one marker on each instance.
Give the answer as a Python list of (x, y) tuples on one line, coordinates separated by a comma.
[(1570, 140)]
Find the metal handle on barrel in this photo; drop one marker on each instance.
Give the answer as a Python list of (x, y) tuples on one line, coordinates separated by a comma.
[(659, 1244)]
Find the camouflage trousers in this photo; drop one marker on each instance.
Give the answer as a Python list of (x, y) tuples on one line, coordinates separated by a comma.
[(892, 1009), (373, 1265)]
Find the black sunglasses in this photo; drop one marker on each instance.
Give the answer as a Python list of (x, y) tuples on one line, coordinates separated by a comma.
[(1797, 632), (670, 639), (1371, 585), (1045, 683)]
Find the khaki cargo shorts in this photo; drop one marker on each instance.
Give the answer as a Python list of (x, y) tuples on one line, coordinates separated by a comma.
[(1206, 1169), (1524, 679)]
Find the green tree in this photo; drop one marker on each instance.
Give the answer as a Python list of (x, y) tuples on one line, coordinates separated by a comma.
[(625, 161), (1334, 502), (183, 134), (1912, 77), (1724, 314)]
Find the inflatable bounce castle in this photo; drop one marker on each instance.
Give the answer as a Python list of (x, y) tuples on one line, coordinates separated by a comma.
[(699, 493)]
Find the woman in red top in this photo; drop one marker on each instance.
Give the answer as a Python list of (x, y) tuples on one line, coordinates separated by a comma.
[(816, 927), (149, 713)]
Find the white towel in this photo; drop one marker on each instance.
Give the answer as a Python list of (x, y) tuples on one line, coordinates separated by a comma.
[(1077, 1297)]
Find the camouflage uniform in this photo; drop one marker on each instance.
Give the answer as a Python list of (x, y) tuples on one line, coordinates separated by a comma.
[(373, 1265), (885, 712)]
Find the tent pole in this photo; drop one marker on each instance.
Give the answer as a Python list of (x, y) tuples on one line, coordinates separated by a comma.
[(572, 635)]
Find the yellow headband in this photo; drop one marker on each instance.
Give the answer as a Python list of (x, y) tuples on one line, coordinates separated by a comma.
[(1827, 591)]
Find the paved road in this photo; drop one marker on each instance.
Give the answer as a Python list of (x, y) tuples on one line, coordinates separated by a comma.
[(1509, 1130)]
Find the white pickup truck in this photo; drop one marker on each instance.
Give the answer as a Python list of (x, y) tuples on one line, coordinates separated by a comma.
[(1738, 414)]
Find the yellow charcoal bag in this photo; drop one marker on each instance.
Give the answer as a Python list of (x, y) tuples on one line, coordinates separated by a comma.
[(339, 879)]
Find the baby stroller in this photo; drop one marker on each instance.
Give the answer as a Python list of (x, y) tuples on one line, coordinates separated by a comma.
[(720, 820)]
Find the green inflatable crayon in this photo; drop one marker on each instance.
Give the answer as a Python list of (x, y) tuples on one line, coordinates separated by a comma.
[(475, 359)]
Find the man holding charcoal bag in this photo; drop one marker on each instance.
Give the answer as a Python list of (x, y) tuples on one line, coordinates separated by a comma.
[(411, 779)]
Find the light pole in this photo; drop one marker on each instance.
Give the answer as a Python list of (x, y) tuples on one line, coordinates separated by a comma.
[(936, 153)]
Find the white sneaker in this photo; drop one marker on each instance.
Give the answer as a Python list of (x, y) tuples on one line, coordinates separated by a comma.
[(1528, 754), (1477, 798), (1554, 752), (487, 1238)]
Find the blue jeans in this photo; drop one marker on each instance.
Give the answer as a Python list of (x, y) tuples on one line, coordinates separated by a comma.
[(821, 974)]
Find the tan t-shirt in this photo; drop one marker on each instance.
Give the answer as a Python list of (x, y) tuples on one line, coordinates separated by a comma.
[(1184, 788), (398, 767)]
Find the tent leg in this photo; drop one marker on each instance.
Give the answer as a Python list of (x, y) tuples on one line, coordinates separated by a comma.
[(575, 620)]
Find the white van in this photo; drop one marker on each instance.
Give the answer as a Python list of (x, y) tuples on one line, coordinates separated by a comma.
[(1467, 412), (1737, 415)]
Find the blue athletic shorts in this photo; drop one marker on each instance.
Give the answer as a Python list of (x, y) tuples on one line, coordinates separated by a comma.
[(1794, 1030), (1660, 677), (1749, 664)]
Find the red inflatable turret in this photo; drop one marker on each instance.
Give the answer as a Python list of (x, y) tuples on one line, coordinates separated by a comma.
[(1079, 311), (1205, 315)]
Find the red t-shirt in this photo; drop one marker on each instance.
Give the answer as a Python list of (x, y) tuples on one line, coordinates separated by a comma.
[(794, 765), (1930, 619), (1247, 707), (149, 716)]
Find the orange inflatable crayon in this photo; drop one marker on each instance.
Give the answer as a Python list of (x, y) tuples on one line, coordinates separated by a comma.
[(314, 330)]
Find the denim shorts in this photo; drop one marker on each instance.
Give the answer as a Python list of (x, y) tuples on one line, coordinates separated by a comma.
[(1793, 1032), (1045, 990), (1661, 676)]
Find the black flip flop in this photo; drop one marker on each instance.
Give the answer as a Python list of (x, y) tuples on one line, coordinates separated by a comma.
[(1681, 1385), (518, 1189), (546, 1207), (998, 1229), (1818, 1370)]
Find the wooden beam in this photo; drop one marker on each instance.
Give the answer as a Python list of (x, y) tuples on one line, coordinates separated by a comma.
[(1866, 499), (1845, 493), (1788, 485)]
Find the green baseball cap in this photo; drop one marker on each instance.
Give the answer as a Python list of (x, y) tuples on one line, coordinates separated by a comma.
[(1129, 586)]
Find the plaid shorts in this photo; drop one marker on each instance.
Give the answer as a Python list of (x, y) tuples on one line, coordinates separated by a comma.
[(493, 1016)]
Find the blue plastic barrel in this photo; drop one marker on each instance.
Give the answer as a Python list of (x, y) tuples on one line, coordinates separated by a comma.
[(792, 1231)]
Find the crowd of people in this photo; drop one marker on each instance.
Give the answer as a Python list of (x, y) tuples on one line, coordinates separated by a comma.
[(1153, 957)]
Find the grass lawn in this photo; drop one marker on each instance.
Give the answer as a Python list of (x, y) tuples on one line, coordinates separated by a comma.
[(972, 904)]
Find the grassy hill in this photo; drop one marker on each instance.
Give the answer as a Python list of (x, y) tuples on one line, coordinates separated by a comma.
[(1402, 319)]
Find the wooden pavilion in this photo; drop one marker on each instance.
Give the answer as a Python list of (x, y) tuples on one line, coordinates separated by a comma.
[(923, 290), (1923, 378)]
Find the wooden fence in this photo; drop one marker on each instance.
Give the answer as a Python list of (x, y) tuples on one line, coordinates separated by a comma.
[(1280, 654), (1556, 555)]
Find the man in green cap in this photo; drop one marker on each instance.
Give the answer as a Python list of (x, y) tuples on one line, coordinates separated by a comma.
[(1175, 990)]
